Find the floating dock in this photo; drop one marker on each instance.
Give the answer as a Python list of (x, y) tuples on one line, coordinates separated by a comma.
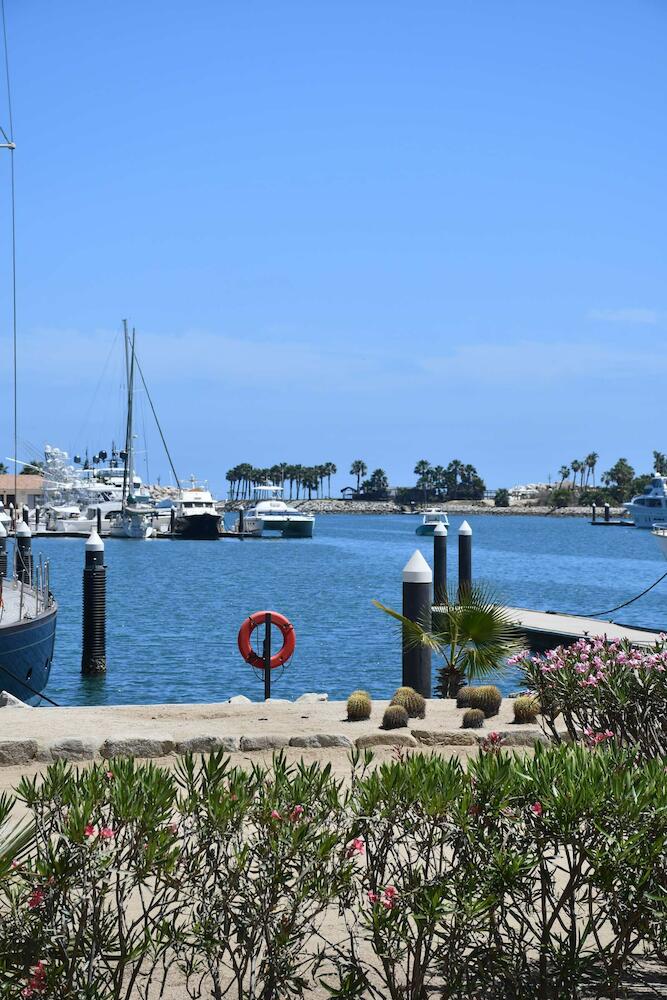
[(546, 629)]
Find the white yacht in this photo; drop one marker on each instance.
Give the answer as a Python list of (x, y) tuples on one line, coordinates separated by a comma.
[(430, 519), (270, 513), (651, 506), (196, 513)]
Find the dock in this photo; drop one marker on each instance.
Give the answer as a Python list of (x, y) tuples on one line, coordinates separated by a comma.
[(547, 629)]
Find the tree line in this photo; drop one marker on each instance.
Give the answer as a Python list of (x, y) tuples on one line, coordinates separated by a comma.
[(296, 479), (455, 481), (619, 483)]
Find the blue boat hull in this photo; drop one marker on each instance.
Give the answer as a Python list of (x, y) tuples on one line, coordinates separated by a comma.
[(26, 654)]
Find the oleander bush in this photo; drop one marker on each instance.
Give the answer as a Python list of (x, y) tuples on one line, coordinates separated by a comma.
[(473, 718), (506, 877), (600, 691), (359, 706), (413, 702)]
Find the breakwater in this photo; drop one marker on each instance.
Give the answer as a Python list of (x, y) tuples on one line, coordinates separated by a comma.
[(454, 507)]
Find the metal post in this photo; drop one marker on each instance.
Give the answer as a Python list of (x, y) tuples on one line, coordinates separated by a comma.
[(12, 516), (267, 657), (94, 655), (99, 521), (23, 553), (172, 521), (3, 552), (606, 512), (594, 512), (240, 520), (417, 579), (465, 558), (440, 564), (36, 519), (26, 514)]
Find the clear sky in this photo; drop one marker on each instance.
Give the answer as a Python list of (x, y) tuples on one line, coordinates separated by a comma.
[(373, 230)]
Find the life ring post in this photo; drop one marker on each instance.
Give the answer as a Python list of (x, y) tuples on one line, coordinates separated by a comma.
[(267, 656)]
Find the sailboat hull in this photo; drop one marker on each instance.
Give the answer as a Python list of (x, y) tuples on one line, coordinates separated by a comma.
[(26, 654)]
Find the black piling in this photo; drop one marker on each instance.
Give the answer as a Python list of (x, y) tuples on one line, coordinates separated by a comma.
[(267, 657), (240, 520), (23, 553), (94, 654), (3, 552), (606, 512), (440, 564), (99, 521), (594, 513), (26, 515), (417, 579), (465, 558), (12, 517), (172, 521), (36, 519)]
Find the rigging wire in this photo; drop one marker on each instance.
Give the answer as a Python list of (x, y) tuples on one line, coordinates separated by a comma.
[(599, 614), (148, 396)]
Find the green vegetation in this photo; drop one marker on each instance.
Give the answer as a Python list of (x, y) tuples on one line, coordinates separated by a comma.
[(359, 706), (502, 498), (455, 481), (395, 717), (295, 479), (32, 469), (526, 708), (473, 718), (413, 702), (487, 697)]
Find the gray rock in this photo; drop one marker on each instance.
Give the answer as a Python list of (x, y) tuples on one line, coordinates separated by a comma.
[(277, 701), (137, 746), (524, 737), (240, 699), (269, 742), (311, 697), (8, 700), (393, 739), (451, 739), (321, 740), (208, 744), (17, 752), (72, 749)]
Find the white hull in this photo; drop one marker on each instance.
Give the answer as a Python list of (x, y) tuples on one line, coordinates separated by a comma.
[(660, 535), (132, 524), (651, 507)]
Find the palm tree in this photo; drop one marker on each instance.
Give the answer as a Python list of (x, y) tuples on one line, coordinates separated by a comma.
[(473, 635), (358, 469), (423, 470), (563, 472), (576, 466), (329, 471), (3, 469)]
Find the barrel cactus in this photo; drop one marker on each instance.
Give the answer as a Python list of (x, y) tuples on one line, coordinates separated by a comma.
[(413, 703), (473, 718), (395, 717), (487, 697), (359, 706), (526, 708), (463, 697)]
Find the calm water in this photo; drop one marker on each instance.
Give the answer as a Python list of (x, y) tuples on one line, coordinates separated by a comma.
[(174, 608)]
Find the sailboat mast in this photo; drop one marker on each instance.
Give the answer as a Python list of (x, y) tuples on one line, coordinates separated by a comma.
[(127, 380), (130, 402)]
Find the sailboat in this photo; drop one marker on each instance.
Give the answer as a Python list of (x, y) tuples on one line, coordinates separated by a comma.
[(28, 610), (134, 519)]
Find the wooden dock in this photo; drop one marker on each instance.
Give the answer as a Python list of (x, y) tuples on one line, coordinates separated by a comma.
[(546, 629)]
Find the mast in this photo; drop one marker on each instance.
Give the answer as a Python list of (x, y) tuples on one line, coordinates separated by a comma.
[(130, 444), (128, 421)]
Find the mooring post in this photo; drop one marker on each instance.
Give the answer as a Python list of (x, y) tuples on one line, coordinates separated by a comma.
[(606, 512), (23, 553), (594, 512), (94, 654), (36, 519), (240, 520), (417, 579), (3, 552), (25, 514), (12, 517), (99, 521), (440, 564), (172, 521), (465, 558), (267, 657)]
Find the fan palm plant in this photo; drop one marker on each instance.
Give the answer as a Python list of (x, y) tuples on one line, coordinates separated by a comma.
[(472, 633)]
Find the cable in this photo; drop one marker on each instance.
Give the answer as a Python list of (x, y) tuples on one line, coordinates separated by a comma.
[(31, 689), (148, 396), (599, 614)]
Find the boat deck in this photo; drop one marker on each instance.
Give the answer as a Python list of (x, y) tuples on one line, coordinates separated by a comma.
[(13, 605)]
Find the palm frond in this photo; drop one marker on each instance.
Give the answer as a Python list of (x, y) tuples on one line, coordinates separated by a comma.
[(412, 633)]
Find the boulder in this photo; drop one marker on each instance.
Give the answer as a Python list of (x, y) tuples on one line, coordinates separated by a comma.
[(137, 746), (431, 738), (271, 741), (240, 699), (311, 697), (17, 752), (321, 740), (208, 744), (394, 739), (71, 749)]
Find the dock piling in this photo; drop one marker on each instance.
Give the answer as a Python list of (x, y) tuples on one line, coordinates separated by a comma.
[(594, 512), (465, 558), (606, 512), (94, 656), (440, 564), (99, 521), (3, 552), (23, 553), (417, 580)]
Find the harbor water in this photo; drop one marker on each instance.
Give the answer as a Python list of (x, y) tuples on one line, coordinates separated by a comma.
[(174, 607)]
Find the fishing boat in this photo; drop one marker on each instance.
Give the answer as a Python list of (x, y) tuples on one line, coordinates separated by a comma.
[(650, 507), (430, 519), (271, 514)]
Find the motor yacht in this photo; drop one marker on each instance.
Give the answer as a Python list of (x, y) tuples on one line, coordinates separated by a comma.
[(270, 513), (650, 507), (430, 519), (196, 513)]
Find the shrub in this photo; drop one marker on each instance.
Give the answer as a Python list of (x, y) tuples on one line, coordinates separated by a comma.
[(463, 697), (502, 498), (526, 708), (359, 706), (473, 718), (413, 702), (560, 498), (395, 717), (487, 697)]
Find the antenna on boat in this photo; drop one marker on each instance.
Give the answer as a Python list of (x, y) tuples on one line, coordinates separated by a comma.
[(11, 146)]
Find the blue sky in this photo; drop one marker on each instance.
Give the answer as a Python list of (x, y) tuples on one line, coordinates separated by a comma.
[(370, 230)]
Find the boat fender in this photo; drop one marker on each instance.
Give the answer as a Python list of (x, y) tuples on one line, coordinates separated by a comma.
[(245, 636)]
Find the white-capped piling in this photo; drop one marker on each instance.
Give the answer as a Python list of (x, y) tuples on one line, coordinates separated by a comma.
[(3, 551), (26, 514), (94, 654), (417, 580), (23, 552), (12, 516), (594, 512), (465, 558), (99, 520), (440, 564), (606, 512)]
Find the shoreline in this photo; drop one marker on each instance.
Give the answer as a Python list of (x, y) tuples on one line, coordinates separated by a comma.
[(453, 507)]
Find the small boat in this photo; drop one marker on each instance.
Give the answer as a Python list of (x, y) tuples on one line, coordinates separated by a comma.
[(660, 535), (196, 514), (270, 513), (650, 507), (430, 519)]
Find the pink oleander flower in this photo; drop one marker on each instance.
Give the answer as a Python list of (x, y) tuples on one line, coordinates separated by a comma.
[(172, 827), (36, 899), (275, 814), (373, 897), (106, 833), (389, 897), (37, 981), (536, 809), (296, 813), (90, 830), (109, 775), (356, 846)]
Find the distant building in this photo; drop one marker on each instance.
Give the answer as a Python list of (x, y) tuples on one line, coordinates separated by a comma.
[(348, 493), (30, 489)]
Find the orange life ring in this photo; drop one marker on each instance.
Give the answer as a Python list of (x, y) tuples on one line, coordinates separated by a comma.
[(249, 626)]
